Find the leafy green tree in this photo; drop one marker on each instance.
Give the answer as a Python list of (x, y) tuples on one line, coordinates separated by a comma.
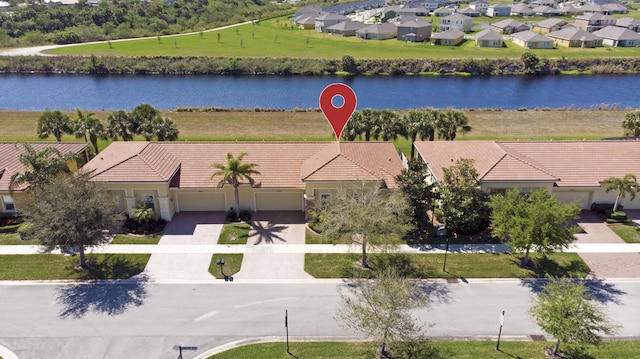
[(118, 124), (531, 63), (420, 195), (164, 129), (90, 128), (416, 124), (631, 123), (72, 212), (451, 122), (464, 205), (349, 64), (140, 120), (625, 185), (381, 308), (565, 309), (53, 123), (233, 173), (366, 215), (535, 221), (41, 166)]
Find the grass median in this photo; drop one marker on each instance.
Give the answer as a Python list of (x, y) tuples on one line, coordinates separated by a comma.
[(628, 233), (458, 265)]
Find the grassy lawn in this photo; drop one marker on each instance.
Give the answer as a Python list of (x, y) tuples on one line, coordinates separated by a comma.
[(628, 233), (129, 239), (437, 350), (270, 38), (58, 266), (234, 233), (14, 239), (232, 264), (465, 265)]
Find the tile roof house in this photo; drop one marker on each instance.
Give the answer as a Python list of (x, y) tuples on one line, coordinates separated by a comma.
[(450, 37), (456, 21), (549, 25), (489, 38), (414, 30), (382, 31), (618, 36), (594, 21), (509, 26), (346, 28), (10, 164), (573, 37), (531, 40), (572, 171), (176, 176)]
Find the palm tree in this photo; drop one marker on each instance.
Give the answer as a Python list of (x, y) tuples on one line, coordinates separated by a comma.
[(90, 128), (164, 129), (53, 123), (233, 172), (362, 123), (388, 126), (41, 166), (118, 124), (140, 117), (631, 123), (417, 123), (625, 185), (450, 123)]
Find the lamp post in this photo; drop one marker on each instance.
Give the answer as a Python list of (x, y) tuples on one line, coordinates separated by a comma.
[(446, 249), (220, 262)]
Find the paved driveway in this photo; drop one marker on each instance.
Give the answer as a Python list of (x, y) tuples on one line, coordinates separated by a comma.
[(607, 265), (193, 228), (270, 229)]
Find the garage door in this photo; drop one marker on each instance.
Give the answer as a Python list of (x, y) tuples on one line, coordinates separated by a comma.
[(201, 202), (281, 201), (581, 197)]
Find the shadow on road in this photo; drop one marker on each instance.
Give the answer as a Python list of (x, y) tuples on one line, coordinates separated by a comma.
[(599, 290), (108, 297)]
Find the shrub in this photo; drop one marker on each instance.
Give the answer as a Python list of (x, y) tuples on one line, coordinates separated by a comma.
[(601, 208), (26, 231), (618, 216)]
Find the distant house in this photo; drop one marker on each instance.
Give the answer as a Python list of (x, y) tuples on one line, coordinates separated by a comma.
[(305, 21), (549, 25), (498, 10), (456, 21), (414, 30), (326, 20), (382, 31), (594, 21), (489, 38), (567, 9), (346, 28), (543, 2), (618, 36), (532, 40), (508, 26), (521, 10), (546, 11), (308, 10), (451, 37), (414, 11), (614, 8), (480, 6), (389, 13), (430, 5), (443, 11), (469, 12), (629, 23), (573, 37)]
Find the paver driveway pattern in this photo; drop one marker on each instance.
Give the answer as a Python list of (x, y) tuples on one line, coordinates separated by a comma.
[(270, 229), (606, 265), (193, 228)]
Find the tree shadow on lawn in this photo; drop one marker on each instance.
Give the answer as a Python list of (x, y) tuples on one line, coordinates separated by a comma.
[(110, 296), (543, 266)]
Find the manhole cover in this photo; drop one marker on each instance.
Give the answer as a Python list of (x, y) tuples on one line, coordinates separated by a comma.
[(452, 280), (538, 338)]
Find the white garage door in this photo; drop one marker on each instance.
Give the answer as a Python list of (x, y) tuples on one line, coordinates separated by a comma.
[(281, 201), (201, 202), (581, 197)]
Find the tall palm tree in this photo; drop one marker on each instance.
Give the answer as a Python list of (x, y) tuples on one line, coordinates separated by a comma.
[(625, 185), (90, 128), (388, 125), (417, 123), (41, 166), (53, 123), (631, 123), (450, 123), (118, 124), (140, 119), (233, 173), (164, 129)]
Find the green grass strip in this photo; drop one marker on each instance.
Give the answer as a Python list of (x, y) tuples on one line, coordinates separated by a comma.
[(234, 233), (232, 264), (129, 239)]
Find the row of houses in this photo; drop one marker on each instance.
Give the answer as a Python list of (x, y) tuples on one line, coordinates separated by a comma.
[(174, 177)]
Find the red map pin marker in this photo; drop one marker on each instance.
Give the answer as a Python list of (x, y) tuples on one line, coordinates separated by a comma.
[(338, 116)]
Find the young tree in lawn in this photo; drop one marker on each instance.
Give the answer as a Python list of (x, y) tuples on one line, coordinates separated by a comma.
[(118, 124), (54, 123), (625, 185), (233, 173), (565, 309), (420, 195), (72, 212), (464, 205), (631, 123), (40, 167), (381, 308), (90, 128), (366, 215), (533, 222)]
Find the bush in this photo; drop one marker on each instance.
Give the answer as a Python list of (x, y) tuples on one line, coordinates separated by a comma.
[(601, 208), (617, 216), (26, 231), (12, 228)]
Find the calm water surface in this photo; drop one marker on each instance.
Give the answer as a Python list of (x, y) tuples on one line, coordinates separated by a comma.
[(39, 92)]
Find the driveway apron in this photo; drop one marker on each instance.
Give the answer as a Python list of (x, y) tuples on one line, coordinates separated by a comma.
[(270, 229), (186, 228)]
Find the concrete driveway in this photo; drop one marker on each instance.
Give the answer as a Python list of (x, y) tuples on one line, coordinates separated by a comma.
[(607, 265), (192, 228), (270, 229)]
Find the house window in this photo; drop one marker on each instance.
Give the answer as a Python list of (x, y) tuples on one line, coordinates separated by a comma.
[(148, 201), (9, 205), (324, 198)]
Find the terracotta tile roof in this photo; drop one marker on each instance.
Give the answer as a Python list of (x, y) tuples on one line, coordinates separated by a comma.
[(281, 164), (566, 163), (10, 157)]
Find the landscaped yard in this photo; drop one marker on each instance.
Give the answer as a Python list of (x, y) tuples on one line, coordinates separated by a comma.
[(129, 239), (58, 266), (14, 239), (436, 350), (232, 264), (459, 265), (628, 233), (234, 233)]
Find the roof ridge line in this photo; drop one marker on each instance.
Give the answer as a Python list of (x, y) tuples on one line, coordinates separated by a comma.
[(120, 162), (139, 154), (539, 168)]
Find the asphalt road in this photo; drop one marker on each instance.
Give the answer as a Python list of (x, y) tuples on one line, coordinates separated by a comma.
[(145, 320)]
